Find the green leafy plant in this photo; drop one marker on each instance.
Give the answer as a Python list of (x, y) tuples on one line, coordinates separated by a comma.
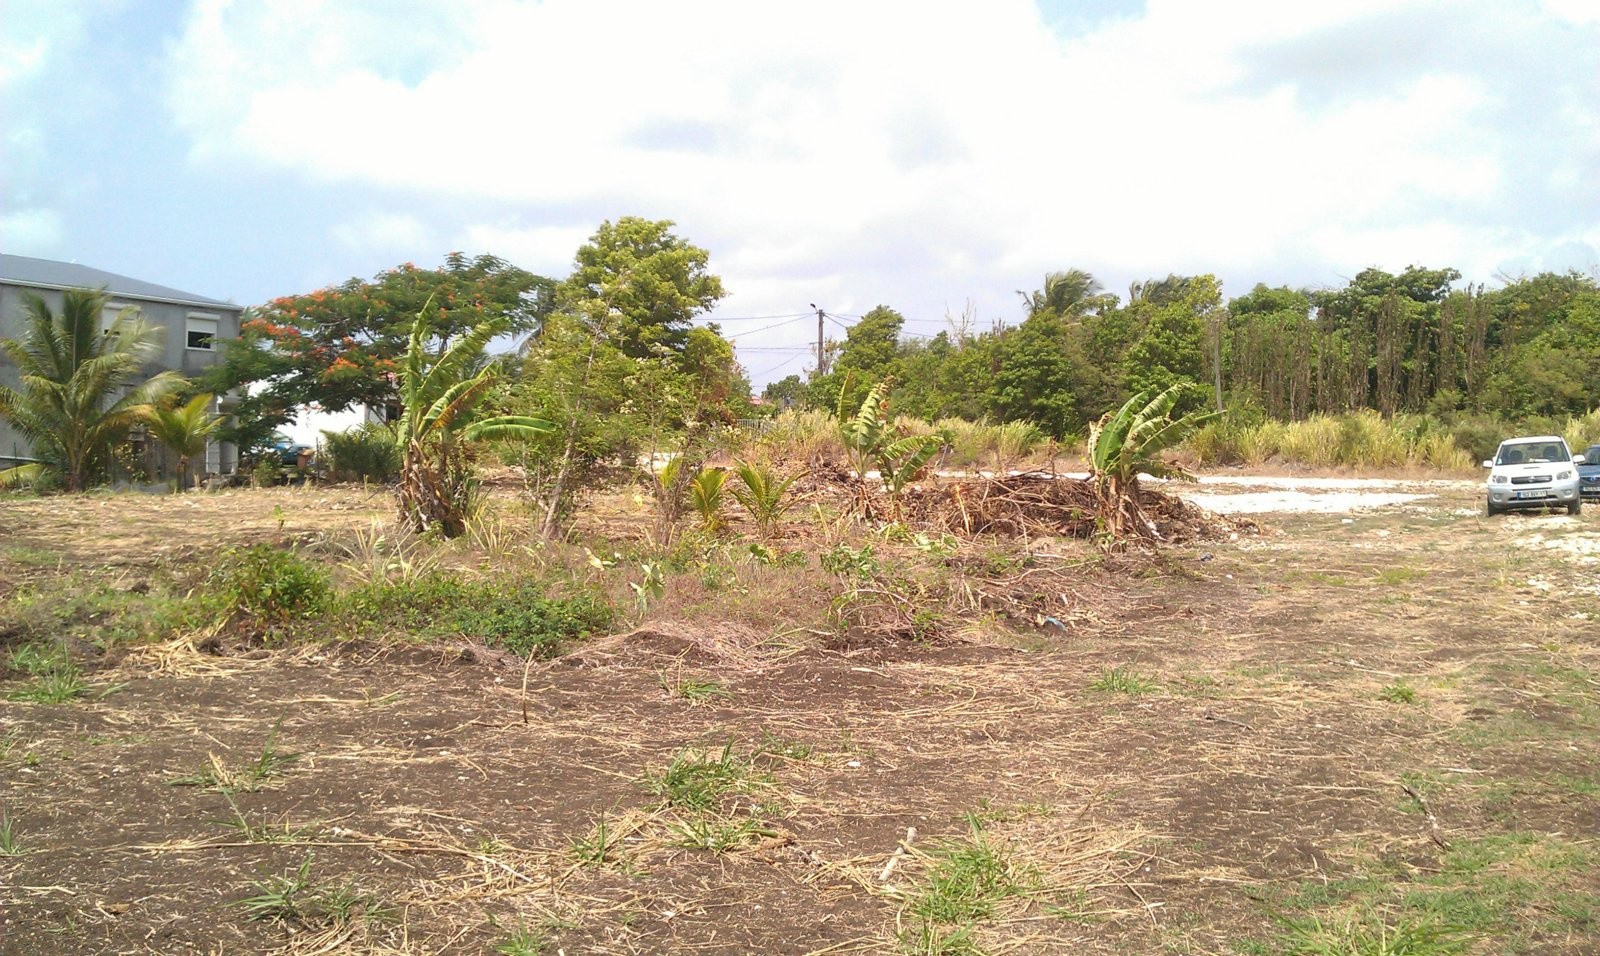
[(695, 690), (602, 846), (293, 897), (8, 839), (875, 441), (523, 941), (700, 779), (1125, 443), (651, 586), (184, 429), (439, 401), (964, 881), (1123, 680), (1312, 936), (762, 494), (1398, 693), (271, 585), (367, 452), (706, 495), (255, 775), (74, 401)]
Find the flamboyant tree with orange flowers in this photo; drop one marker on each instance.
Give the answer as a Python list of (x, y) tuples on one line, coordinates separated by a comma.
[(339, 347)]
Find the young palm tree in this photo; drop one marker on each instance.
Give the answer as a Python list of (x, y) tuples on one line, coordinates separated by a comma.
[(439, 399), (184, 429), (1126, 443), (68, 405)]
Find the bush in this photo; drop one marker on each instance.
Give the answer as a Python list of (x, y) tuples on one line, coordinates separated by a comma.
[(366, 452), (516, 616), (271, 585)]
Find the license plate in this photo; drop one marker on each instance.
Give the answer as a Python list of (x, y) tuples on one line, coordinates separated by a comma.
[(1527, 495)]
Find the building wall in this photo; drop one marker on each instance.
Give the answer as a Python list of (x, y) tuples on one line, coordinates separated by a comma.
[(171, 318)]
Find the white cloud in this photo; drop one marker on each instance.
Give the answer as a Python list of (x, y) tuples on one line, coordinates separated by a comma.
[(401, 234), (922, 153), (31, 232)]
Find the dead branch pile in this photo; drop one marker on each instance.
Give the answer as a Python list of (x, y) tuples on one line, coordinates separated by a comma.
[(1042, 505)]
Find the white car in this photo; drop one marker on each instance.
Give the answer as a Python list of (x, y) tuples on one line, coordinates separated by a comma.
[(1538, 472)]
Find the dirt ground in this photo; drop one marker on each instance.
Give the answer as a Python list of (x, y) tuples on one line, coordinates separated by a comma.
[(1368, 722)]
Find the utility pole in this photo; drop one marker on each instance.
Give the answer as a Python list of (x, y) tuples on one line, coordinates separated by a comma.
[(1219, 324), (822, 355)]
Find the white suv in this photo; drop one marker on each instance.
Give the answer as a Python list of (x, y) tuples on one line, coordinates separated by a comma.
[(1534, 472)]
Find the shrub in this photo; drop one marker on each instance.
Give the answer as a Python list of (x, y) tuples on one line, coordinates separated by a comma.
[(762, 494), (516, 616), (272, 585), (364, 453)]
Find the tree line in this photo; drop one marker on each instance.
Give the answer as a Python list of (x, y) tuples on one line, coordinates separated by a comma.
[(1408, 342)]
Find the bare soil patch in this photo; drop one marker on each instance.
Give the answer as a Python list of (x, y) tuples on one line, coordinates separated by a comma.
[(1167, 754)]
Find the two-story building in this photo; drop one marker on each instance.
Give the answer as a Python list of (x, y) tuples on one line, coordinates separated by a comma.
[(192, 328)]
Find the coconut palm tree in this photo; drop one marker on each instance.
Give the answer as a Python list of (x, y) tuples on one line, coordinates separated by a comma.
[(1126, 443), (68, 406), (1068, 294), (439, 400), (184, 429)]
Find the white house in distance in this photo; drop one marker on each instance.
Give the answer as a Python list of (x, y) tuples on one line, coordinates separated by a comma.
[(192, 326)]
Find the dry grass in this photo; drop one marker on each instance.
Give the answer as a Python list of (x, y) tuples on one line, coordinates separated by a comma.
[(1263, 765)]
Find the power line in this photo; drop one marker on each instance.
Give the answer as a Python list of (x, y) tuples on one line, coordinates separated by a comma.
[(778, 325), (755, 318), (783, 364)]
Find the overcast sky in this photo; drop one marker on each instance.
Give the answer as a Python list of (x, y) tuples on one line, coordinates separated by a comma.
[(924, 155)]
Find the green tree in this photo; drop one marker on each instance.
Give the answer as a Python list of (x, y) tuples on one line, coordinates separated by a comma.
[(1069, 294), (785, 391), (340, 347), (1170, 349), (642, 283), (184, 429), (79, 392), (869, 354), (1042, 375)]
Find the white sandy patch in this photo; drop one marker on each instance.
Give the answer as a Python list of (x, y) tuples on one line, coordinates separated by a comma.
[(1302, 502), (1585, 546)]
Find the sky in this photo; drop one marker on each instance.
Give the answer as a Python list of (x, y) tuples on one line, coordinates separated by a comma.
[(932, 156)]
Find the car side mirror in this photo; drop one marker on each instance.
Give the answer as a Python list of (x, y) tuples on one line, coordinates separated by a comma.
[(1487, 463), (1579, 460)]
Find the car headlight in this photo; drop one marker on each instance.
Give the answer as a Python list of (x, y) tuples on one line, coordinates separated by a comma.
[(1498, 479), (1564, 475)]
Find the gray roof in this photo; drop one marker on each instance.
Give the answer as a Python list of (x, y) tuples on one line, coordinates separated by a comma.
[(50, 274)]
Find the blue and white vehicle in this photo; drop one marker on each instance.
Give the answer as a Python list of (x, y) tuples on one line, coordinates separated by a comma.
[(1589, 474), (1537, 472)]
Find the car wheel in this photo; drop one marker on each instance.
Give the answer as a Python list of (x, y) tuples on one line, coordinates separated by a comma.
[(1575, 508), (1491, 509)]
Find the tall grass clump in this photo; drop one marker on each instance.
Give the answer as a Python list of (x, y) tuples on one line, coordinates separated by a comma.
[(1363, 440), (807, 435), (364, 453), (1582, 431)]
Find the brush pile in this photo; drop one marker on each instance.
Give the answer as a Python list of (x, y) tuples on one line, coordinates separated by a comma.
[(1039, 504)]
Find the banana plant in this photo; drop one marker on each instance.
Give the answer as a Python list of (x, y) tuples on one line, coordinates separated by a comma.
[(440, 398), (874, 442), (1128, 442)]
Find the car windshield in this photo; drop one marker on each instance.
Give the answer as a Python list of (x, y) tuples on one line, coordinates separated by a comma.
[(1531, 452), (1592, 456)]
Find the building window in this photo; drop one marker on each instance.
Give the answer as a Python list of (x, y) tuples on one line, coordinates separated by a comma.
[(108, 315), (200, 331)]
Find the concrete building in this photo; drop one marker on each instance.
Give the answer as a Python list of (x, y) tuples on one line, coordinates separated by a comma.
[(193, 326)]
